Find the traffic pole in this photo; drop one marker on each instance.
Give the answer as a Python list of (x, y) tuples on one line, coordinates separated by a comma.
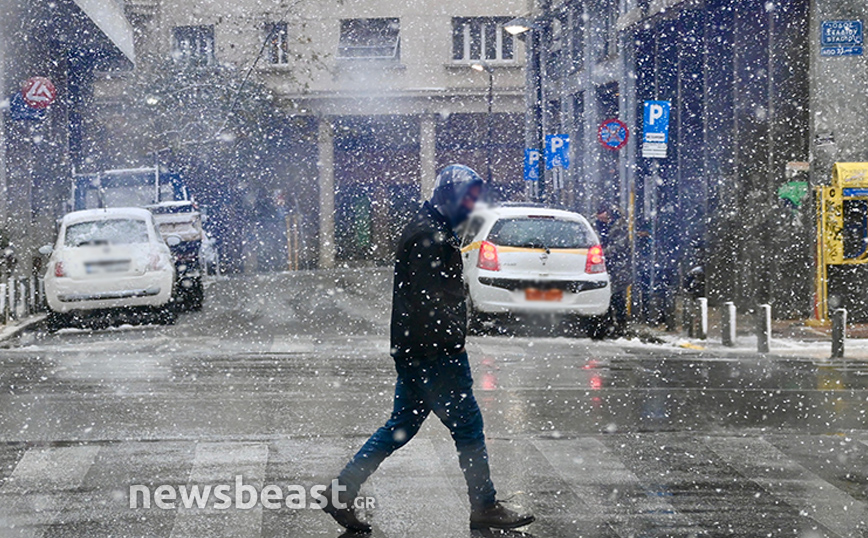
[(763, 328)]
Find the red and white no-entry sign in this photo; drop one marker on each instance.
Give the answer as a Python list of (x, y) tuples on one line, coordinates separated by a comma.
[(38, 92)]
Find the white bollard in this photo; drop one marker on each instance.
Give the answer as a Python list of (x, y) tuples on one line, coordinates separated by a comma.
[(22, 299), (728, 324), (702, 305)]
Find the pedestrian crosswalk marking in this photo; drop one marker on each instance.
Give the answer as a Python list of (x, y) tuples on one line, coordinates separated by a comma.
[(611, 490), (781, 476), (407, 488), (286, 344), (220, 463), (35, 492), (606, 484)]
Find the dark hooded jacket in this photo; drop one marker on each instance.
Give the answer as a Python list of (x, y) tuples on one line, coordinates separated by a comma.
[(429, 315), (615, 240)]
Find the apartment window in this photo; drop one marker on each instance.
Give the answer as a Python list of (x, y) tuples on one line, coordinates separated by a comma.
[(370, 39), (277, 45), (481, 38), (194, 44)]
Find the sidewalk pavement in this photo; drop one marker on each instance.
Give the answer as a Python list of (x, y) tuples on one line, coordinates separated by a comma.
[(790, 338), (12, 329)]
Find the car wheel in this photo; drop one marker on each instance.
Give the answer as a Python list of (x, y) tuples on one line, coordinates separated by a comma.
[(196, 296), (56, 321), (596, 327), (166, 315), (474, 321)]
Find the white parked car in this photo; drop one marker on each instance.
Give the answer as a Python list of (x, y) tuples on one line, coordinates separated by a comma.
[(529, 259), (109, 259)]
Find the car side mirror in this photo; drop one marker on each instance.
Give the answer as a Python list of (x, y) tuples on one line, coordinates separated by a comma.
[(46, 250), (173, 240)]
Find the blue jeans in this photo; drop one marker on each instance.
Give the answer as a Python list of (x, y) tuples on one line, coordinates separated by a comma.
[(442, 385)]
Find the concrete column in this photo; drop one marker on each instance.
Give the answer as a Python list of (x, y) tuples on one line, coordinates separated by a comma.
[(427, 154), (326, 172)]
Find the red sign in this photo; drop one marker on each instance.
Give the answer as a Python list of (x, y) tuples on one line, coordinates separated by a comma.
[(613, 134), (38, 92)]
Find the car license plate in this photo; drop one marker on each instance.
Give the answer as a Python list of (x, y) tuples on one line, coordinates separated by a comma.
[(534, 294), (106, 267)]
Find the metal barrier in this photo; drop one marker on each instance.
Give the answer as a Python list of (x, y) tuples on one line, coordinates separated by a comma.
[(21, 297)]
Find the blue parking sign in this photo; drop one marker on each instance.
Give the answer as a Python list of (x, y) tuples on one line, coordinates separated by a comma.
[(655, 129), (557, 151), (531, 164)]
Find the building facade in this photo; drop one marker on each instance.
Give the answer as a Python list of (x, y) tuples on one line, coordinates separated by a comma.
[(758, 113), (68, 42), (372, 98)]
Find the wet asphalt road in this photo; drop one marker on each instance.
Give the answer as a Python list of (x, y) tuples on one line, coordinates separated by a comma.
[(282, 378)]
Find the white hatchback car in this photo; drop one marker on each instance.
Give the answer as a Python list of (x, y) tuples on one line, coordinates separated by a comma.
[(109, 259), (529, 259)]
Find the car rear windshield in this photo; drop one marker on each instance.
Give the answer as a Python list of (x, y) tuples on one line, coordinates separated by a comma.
[(106, 232), (541, 232)]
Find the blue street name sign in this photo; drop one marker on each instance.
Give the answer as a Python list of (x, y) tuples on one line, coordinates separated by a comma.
[(655, 129), (841, 38), (557, 151), (18, 109), (531, 164)]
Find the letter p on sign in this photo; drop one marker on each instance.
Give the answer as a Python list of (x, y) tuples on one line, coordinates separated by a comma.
[(655, 113)]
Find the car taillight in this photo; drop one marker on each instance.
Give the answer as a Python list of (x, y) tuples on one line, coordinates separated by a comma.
[(154, 263), (595, 263), (58, 270), (488, 257)]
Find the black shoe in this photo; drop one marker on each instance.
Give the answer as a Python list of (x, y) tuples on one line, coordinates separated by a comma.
[(346, 516), (497, 516)]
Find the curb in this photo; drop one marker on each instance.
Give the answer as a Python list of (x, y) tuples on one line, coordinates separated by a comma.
[(11, 331)]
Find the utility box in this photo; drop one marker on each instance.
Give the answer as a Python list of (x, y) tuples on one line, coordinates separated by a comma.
[(842, 243)]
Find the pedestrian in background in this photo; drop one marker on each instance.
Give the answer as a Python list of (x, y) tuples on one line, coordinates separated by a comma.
[(615, 241)]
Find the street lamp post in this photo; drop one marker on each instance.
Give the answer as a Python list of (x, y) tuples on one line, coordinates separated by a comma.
[(519, 27), (481, 66)]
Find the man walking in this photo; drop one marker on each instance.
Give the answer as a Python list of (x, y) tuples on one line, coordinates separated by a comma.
[(615, 241), (429, 322)]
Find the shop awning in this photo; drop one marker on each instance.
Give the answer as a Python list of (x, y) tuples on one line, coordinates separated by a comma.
[(108, 15)]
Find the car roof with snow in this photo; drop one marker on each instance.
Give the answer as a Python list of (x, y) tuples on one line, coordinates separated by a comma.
[(173, 206), (106, 214), (523, 210)]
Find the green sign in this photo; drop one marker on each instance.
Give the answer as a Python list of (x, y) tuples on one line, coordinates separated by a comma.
[(794, 192)]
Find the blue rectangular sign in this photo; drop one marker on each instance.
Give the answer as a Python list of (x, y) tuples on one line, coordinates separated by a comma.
[(557, 151), (854, 192), (19, 110), (531, 164), (655, 129), (841, 38)]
